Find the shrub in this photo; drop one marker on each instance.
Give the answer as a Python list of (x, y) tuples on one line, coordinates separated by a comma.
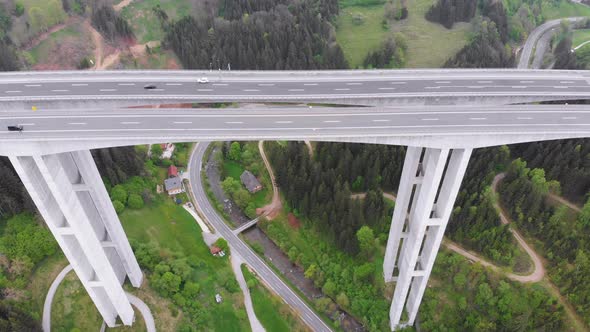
[(119, 207), (135, 201)]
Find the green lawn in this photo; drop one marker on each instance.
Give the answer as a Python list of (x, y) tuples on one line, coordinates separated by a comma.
[(232, 169), (564, 8), (273, 314), (429, 44), (144, 22), (175, 231), (581, 36), (356, 39), (46, 13)]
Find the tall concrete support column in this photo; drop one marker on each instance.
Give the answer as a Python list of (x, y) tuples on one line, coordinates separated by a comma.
[(69, 193), (429, 185)]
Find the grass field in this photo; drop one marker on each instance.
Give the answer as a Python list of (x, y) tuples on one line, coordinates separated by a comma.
[(45, 50), (144, 22), (43, 14), (357, 39), (554, 10), (175, 231), (581, 36), (273, 314), (429, 44)]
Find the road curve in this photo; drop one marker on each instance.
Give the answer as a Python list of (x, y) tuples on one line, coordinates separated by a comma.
[(49, 298), (527, 50), (539, 269), (264, 272)]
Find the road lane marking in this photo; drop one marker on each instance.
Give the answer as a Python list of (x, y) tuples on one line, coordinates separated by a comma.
[(527, 82), (475, 87), (569, 118), (477, 118), (107, 90), (130, 122), (432, 87), (442, 82), (26, 124), (566, 82), (310, 84), (386, 88), (77, 123), (79, 84), (13, 91), (381, 120), (219, 84), (341, 89), (429, 119), (173, 84), (519, 87), (32, 85), (182, 122), (156, 90), (60, 90), (250, 90), (354, 83), (524, 118), (283, 121), (331, 121), (266, 84), (126, 84), (485, 82), (560, 87), (234, 122), (204, 90), (397, 82), (296, 89)]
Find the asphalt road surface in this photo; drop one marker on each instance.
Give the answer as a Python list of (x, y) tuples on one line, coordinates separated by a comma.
[(263, 271)]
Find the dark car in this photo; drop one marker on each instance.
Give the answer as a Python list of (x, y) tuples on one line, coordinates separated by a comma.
[(15, 128), (150, 86)]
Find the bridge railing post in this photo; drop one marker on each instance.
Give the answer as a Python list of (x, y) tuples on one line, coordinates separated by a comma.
[(429, 185), (70, 195)]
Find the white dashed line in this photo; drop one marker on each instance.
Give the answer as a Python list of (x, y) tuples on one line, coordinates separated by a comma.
[(107, 90), (234, 122), (527, 82), (32, 85), (332, 121), (381, 120), (130, 122), (182, 122), (157, 90), (524, 118), (13, 91), (250, 90), (476, 87), (432, 87), (26, 124), (429, 119), (219, 84), (560, 87), (397, 82), (60, 90), (442, 82), (310, 84), (77, 123), (296, 90), (477, 118), (342, 89), (79, 84), (266, 84), (484, 82), (173, 84), (566, 82), (519, 86), (569, 118), (386, 88), (204, 90), (283, 121), (356, 83), (126, 84)]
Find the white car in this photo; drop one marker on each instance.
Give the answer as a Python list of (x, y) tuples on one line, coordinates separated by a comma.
[(203, 80)]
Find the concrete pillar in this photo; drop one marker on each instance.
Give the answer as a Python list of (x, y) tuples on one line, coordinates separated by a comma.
[(69, 193), (429, 185)]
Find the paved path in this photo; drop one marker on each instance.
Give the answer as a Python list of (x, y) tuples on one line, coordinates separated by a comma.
[(236, 262), (49, 298), (135, 301), (539, 269)]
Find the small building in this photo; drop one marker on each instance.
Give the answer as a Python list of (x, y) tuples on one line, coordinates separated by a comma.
[(250, 182), (172, 171), (173, 186), (218, 298), (215, 250)]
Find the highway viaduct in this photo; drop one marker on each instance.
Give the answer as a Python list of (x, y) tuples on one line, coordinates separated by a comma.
[(441, 115)]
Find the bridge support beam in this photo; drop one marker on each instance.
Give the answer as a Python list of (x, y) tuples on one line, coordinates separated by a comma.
[(68, 192), (429, 185)]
